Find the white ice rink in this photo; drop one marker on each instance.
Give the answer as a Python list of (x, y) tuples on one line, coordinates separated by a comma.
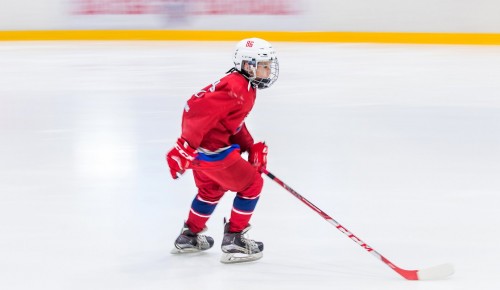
[(398, 143)]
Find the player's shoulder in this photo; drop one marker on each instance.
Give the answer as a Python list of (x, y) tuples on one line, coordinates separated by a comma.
[(235, 82)]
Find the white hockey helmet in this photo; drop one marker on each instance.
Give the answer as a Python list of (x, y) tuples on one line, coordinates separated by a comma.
[(253, 51)]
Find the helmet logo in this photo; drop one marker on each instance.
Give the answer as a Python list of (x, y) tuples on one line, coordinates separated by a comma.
[(249, 43)]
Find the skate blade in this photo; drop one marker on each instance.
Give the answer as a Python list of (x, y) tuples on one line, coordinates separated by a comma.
[(232, 258), (176, 251)]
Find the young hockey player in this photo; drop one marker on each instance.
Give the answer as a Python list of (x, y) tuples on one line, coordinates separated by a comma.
[(213, 137)]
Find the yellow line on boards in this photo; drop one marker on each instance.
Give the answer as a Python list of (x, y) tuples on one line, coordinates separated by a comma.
[(299, 36)]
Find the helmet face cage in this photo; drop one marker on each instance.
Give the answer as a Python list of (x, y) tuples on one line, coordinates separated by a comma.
[(261, 83), (254, 51)]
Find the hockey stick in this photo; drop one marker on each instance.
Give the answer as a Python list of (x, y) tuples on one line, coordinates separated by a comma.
[(432, 273)]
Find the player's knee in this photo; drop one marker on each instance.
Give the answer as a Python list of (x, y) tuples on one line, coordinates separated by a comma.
[(259, 181), (211, 194), (254, 188)]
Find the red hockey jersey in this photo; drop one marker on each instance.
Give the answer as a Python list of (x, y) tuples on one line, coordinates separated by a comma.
[(214, 117)]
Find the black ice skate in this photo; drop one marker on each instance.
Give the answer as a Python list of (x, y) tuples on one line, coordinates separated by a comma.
[(237, 248), (189, 242)]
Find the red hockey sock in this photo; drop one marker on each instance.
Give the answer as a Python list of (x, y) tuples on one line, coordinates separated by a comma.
[(244, 204)]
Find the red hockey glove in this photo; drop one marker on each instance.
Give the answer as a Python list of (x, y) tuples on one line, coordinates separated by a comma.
[(180, 157), (257, 155)]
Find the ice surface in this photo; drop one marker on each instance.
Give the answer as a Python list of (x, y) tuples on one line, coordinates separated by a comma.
[(398, 143)]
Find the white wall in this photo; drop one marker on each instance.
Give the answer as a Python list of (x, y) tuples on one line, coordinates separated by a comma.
[(316, 15), (32, 15), (412, 15)]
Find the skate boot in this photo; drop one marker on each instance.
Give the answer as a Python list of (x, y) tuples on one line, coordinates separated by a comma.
[(237, 248), (189, 242)]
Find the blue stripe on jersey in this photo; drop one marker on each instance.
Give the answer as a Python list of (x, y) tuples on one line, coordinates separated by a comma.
[(202, 207), (217, 156), (242, 204)]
